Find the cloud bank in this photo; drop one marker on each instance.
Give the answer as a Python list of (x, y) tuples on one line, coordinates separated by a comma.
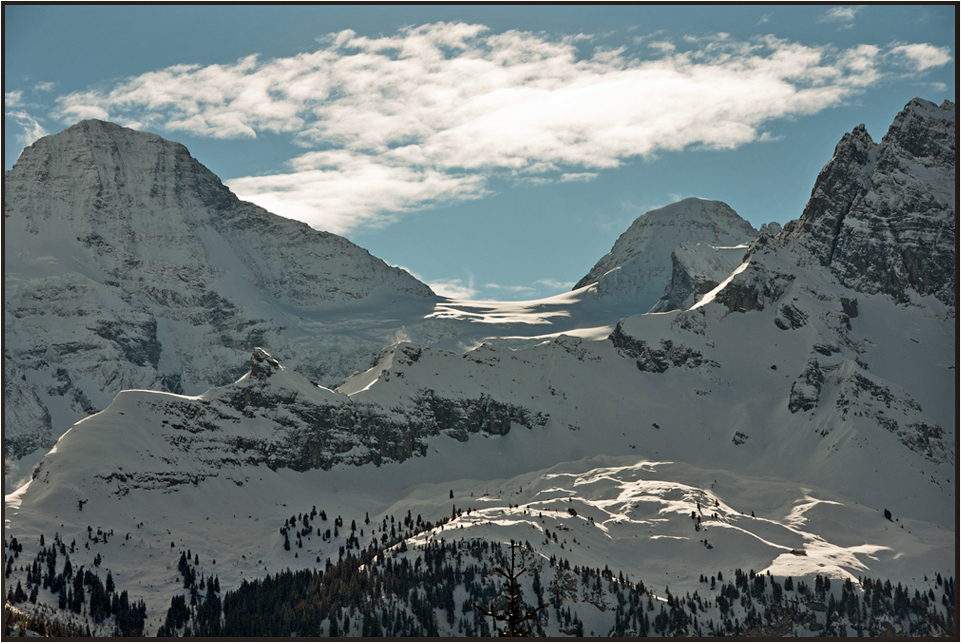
[(427, 116)]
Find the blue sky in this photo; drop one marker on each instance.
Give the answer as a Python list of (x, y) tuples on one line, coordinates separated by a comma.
[(494, 151)]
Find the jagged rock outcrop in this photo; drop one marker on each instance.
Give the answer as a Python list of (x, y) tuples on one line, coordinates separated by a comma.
[(883, 215), (894, 410), (657, 359), (806, 390), (881, 219), (855, 392), (790, 317), (128, 264), (639, 266)]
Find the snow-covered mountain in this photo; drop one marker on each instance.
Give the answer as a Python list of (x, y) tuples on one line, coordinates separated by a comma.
[(793, 421), (128, 264), (639, 267)]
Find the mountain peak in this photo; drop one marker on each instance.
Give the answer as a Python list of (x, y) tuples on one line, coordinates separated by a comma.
[(639, 266), (135, 196), (924, 130), (882, 215), (94, 128), (157, 276)]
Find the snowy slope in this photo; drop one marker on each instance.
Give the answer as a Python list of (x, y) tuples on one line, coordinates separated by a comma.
[(787, 411), (639, 265), (201, 473)]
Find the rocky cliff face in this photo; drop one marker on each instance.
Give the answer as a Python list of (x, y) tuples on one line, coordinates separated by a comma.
[(881, 220), (883, 215), (639, 267), (128, 264)]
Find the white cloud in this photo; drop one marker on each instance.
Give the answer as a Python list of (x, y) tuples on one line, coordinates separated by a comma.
[(577, 176), (840, 14), (922, 56), (397, 123), (553, 284), (30, 128), (87, 111), (453, 288), (352, 191), (663, 46)]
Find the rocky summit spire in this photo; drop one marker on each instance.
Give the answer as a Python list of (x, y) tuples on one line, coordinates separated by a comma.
[(883, 215)]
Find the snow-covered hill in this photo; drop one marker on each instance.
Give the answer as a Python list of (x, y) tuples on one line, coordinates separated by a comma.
[(793, 420)]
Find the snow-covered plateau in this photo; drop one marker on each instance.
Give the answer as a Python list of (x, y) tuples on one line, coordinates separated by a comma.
[(771, 452)]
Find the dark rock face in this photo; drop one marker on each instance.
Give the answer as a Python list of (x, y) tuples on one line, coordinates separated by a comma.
[(753, 289), (849, 307), (806, 390), (790, 317), (680, 287), (137, 341), (22, 404), (838, 185), (627, 343), (262, 365), (895, 412), (883, 216), (668, 354)]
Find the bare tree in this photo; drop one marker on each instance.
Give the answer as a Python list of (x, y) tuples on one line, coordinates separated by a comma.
[(514, 617)]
